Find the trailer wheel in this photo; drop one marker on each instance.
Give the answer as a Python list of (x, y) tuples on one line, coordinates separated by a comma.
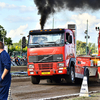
[(86, 73), (71, 77), (35, 79)]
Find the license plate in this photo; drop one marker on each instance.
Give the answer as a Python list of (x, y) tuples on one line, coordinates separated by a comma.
[(43, 73)]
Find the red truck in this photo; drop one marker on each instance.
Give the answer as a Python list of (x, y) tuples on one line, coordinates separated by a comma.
[(51, 55)]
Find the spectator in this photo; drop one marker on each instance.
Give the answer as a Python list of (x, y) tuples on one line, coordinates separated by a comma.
[(16, 61), (5, 76)]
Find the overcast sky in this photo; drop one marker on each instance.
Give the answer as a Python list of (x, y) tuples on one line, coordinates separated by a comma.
[(20, 16)]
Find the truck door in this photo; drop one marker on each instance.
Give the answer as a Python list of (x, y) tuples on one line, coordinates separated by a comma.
[(69, 47)]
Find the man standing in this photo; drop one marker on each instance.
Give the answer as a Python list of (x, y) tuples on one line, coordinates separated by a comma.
[(5, 76)]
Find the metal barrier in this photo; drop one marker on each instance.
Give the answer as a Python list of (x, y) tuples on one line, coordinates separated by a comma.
[(20, 63)]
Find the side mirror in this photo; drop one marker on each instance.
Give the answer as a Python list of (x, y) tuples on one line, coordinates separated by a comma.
[(70, 39), (23, 42)]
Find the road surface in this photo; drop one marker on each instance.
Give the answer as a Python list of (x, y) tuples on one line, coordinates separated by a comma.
[(23, 89)]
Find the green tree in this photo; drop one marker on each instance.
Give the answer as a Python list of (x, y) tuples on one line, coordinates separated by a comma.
[(18, 46), (3, 34), (8, 41), (81, 48)]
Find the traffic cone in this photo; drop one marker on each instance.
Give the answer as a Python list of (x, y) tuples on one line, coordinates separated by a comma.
[(84, 88)]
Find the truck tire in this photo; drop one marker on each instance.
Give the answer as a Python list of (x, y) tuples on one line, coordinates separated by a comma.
[(86, 73), (71, 77), (35, 79)]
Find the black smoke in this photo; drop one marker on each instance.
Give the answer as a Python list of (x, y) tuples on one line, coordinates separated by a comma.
[(47, 7)]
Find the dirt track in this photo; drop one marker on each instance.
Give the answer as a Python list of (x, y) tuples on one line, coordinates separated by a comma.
[(26, 90), (19, 68), (23, 89)]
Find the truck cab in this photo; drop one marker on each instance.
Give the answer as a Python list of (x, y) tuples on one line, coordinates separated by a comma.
[(50, 54)]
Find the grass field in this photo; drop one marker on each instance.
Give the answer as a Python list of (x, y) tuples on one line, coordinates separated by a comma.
[(95, 96)]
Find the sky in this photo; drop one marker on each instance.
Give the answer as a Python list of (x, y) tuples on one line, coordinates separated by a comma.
[(18, 17)]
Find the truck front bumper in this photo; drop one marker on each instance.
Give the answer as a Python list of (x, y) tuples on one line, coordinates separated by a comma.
[(47, 72)]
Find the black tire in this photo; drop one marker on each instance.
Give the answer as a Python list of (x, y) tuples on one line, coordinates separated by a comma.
[(71, 77), (35, 79), (86, 73)]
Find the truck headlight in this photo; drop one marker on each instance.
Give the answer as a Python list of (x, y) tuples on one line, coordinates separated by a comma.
[(31, 72), (61, 64), (31, 66)]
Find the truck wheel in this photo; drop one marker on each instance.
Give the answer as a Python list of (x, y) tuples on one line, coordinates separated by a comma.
[(86, 73), (71, 78), (35, 79)]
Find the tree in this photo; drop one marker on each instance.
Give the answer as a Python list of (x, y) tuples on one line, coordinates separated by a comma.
[(18, 46), (3, 34), (8, 41), (81, 48)]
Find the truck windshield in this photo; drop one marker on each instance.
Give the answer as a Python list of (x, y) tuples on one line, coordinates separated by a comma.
[(46, 39)]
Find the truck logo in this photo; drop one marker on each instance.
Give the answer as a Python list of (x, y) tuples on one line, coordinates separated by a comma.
[(45, 58)]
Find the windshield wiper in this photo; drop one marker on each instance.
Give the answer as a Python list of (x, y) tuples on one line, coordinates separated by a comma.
[(34, 44), (51, 42)]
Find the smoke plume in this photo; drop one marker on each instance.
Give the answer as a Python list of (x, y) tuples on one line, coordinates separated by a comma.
[(47, 7)]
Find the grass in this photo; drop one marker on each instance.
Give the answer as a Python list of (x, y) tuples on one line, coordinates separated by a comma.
[(95, 96)]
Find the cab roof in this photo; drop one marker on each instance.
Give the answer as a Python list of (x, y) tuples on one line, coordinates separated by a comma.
[(45, 31)]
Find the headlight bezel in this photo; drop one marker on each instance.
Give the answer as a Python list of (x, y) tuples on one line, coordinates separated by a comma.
[(61, 64), (31, 66)]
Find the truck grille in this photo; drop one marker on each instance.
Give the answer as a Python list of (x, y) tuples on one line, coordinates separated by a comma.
[(45, 66), (46, 58)]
